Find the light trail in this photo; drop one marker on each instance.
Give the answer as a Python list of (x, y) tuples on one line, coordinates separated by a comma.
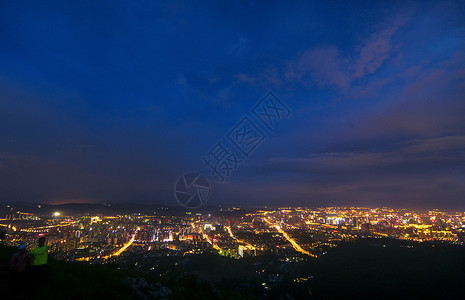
[(122, 249), (117, 253), (290, 240), (238, 240), (293, 242), (41, 228), (206, 237)]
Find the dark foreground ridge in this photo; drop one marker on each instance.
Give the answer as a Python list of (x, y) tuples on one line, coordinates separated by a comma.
[(379, 268)]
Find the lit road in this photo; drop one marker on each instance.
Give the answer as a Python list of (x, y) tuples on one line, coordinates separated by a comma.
[(122, 249), (290, 240), (235, 238), (206, 237), (118, 252)]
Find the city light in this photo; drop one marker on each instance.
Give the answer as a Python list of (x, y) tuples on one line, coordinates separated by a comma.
[(286, 231), (294, 244)]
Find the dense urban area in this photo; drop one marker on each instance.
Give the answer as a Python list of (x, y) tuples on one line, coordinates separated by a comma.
[(232, 232), (292, 252)]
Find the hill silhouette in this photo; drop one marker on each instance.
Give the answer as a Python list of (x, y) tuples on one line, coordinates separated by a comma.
[(380, 268)]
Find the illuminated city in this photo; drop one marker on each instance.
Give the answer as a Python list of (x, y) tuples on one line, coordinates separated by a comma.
[(161, 240), (232, 149), (282, 230)]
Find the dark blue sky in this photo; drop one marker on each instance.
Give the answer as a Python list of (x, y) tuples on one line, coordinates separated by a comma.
[(113, 101)]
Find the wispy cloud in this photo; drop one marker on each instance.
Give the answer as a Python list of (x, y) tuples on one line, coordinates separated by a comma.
[(327, 67), (419, 172), (268, 78), (377, 48), (445, 143), (422, 152), (323, 65), (345, 70)]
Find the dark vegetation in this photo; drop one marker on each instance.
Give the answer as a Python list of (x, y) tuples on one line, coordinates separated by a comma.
[(368, 268), (385, 268)]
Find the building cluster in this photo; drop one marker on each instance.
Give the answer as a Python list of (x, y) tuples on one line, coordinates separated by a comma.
[(234, 232)]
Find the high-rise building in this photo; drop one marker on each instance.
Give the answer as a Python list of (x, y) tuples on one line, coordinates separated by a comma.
[(245, 251)]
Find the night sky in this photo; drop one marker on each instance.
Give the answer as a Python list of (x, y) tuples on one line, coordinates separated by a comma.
[(112, 101)]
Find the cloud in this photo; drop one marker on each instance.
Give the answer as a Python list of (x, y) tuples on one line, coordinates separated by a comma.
[(323, 65), (421, 153), (267, 78), (329, 66), (446, 143), (223, 96), (420, 172), (422, 191), (376, 49)]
